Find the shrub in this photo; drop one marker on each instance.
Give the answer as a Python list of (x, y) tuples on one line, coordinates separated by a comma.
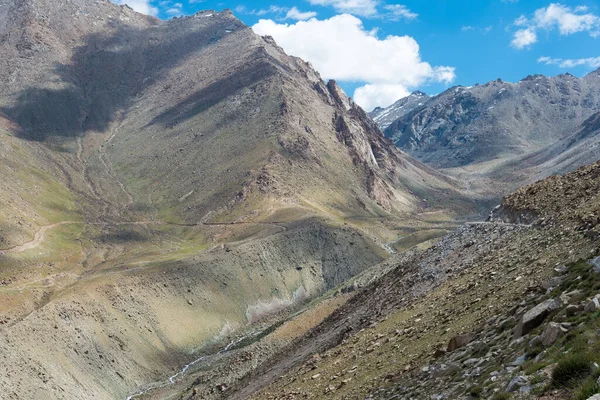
[(476, 391), (587, 389), (501, 396), (571, 370)]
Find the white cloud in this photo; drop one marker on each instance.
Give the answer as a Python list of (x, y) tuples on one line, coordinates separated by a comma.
[(591, 62), (524, 38), (141, 6), (298, 15), (484, 30), (556, 16), (521, 21), (398, 11), (369, 9), (373, 95), (364, 8), (567, 20), (278, 12), (340, 48), (262, 11)]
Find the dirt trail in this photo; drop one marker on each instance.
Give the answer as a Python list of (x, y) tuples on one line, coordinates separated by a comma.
[(40, 234), (37, 239)]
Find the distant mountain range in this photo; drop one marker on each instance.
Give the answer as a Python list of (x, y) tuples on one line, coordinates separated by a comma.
[(511, 132), (384, 117)]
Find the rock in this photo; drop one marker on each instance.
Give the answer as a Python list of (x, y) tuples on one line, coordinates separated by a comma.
[(561, 270), (571, 297), (572, 310), (535, 341), (553, 282), (516, 383), (526, 389), (552, 333), (595, 397), (459, 341), (534, 317), (519, 361), (439, 353), (471, 362), (592, 306), (596, 264)]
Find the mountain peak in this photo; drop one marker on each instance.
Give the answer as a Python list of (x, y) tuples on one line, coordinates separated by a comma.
[(594, 73)]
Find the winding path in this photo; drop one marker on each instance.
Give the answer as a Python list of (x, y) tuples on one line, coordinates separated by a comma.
[(37, 239), (39, 236)]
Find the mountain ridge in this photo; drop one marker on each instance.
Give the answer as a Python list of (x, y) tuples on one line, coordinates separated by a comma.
[(172, 184)]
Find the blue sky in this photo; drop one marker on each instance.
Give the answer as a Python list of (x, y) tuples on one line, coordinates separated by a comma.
[(380, 50)]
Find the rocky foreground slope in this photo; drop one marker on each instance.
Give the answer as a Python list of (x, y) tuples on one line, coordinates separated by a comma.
[(167, 184), (502, 309)]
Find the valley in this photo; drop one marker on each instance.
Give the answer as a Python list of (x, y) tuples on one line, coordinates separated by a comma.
[(186, 211)]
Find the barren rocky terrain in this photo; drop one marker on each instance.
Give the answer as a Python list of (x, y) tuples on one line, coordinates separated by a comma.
[(171, 186), (494, 310), (188, 212)]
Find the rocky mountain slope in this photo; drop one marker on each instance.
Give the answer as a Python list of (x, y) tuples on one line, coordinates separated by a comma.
[(481, 131), (502, 309), (167, 184), (384, 117)]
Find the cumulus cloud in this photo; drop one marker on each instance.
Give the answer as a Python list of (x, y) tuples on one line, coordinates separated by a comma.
[(591, 62), (556, 16), (370, 96), (341, 48), (141, 6), (524, 38), (567, 20)]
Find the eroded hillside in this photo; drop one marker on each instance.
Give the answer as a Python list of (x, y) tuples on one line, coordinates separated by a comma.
[(168, 185), (501, 309)]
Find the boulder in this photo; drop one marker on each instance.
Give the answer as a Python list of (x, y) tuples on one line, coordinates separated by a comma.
[(572, 297), (596, 264), (552, 333), (553, 282), (572, 310), (592, 306), (519, 361), (459, 341), (595, 397), (534, 317), (516, 383)]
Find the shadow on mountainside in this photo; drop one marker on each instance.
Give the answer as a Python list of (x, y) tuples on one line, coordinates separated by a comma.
[(207, 97), (106, 74)]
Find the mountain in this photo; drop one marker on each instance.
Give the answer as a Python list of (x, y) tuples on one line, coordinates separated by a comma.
[(385, 116), (170, 184), (497, 121), (580, 148), (516, 297)]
